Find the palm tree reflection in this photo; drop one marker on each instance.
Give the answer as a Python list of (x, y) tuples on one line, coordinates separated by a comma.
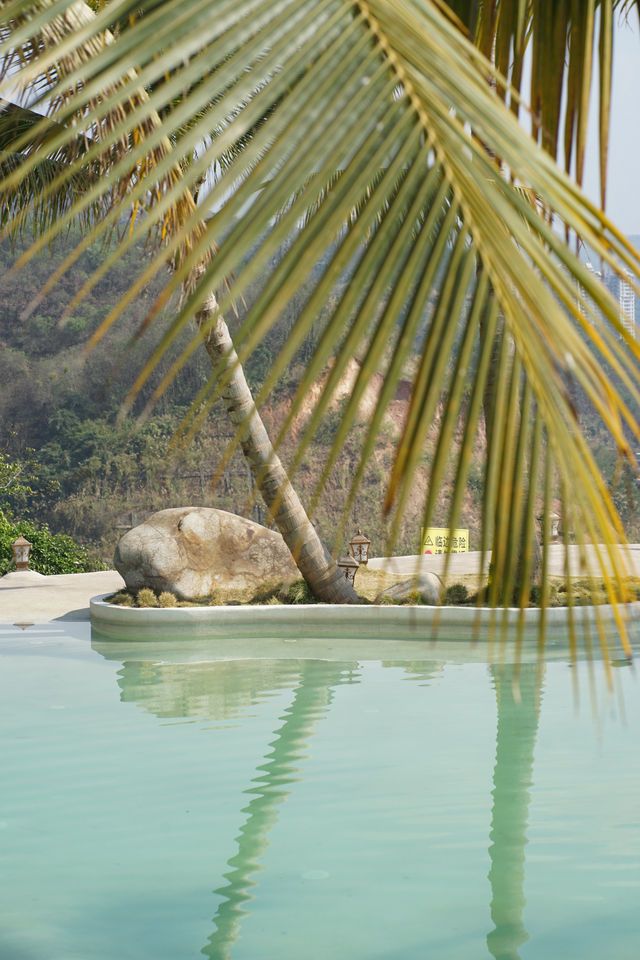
[(512, 778), (269, 790), (226, 689), (223, 690)]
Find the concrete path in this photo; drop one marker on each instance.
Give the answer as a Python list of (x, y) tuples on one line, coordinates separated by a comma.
[(468, 563), (29, 597)]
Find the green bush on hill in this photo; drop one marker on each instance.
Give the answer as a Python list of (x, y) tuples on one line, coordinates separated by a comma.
[(50, 552)]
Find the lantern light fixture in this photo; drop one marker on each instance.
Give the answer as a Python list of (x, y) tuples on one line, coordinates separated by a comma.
[(21, 550), (554, 520), (349, 567), (360, 547)]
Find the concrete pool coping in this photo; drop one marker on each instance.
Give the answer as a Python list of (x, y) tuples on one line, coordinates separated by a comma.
[(334, 621)]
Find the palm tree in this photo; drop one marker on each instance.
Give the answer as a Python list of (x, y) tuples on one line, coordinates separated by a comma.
[(23, 134), (378, 144)]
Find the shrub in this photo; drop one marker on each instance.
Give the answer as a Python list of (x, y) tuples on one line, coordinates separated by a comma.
[(167, 599), (146, 598), (415, 597), (51, 553), (297, 592), (630, 589), (535, 595), (266, 592), (213, 600), (455, 594), (122, 599)]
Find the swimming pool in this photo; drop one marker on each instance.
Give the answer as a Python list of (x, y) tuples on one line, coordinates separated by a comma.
[(158, 803)]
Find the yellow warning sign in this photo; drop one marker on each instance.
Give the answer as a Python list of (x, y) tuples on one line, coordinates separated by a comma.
[(436, 540)]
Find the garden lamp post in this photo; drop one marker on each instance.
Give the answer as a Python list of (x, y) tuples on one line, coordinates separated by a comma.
[(349, 567), (21, 550), (360, 547), (555, 520)]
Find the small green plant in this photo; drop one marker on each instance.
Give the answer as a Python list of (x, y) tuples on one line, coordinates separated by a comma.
[(266, 592), (123, 599), (297, 592), (167, 599), (630, 589), (535, 595), (455, 594), (413, 598), (146, 598)]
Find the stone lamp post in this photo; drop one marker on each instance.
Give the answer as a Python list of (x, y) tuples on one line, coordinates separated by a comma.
[(21, 550)]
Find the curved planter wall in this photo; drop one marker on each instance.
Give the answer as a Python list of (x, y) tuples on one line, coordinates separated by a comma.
[(345, 622)]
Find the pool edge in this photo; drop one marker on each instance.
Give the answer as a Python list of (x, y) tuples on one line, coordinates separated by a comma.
[(331, 621)]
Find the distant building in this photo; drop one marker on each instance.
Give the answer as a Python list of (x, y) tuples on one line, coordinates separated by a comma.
[(624, 294), (581, 305), (627, 304)]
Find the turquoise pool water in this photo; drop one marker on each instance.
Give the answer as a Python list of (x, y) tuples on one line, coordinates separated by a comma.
[(266, 810)]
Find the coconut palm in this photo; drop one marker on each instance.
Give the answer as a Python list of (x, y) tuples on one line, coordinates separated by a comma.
[(25, 135), (376, 148)]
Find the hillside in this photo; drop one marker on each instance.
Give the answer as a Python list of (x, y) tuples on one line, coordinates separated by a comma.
[(98, 472)]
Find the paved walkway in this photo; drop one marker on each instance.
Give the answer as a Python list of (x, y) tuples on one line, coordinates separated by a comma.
[(27, 597), (465, 563)]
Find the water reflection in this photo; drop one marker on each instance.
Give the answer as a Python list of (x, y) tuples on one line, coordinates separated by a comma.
[(219, 691), (227, 690), (269, 790), (518, 712)]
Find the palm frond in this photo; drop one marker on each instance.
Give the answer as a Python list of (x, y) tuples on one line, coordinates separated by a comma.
[(421, 224), (557, 41)]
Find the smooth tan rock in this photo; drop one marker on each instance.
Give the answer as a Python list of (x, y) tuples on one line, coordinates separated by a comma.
[(428, 585), (194, 551)]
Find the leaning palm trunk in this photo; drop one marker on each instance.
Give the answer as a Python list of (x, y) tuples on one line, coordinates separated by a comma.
[(526, 572), (314, 561)]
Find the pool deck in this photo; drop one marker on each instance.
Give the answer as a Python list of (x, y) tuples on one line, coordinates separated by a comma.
[(27, 597)]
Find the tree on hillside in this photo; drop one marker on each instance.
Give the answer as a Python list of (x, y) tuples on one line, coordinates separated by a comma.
[(253, 138)]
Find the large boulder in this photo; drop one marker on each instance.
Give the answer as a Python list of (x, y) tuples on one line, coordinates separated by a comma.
[(194, 551)]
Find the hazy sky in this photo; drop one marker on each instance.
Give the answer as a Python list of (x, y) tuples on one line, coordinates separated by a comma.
[(623, 186)]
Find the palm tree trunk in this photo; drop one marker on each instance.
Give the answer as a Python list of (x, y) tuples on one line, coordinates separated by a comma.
[(488, 404), (311, 556)]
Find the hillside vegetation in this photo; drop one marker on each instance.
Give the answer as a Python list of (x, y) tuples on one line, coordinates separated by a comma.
[(95, 473)]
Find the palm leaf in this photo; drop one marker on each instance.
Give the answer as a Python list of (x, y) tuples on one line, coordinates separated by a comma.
[(402, 117)]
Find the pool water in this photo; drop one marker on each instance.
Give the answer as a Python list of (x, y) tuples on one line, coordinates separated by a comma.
[(283, 808)]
